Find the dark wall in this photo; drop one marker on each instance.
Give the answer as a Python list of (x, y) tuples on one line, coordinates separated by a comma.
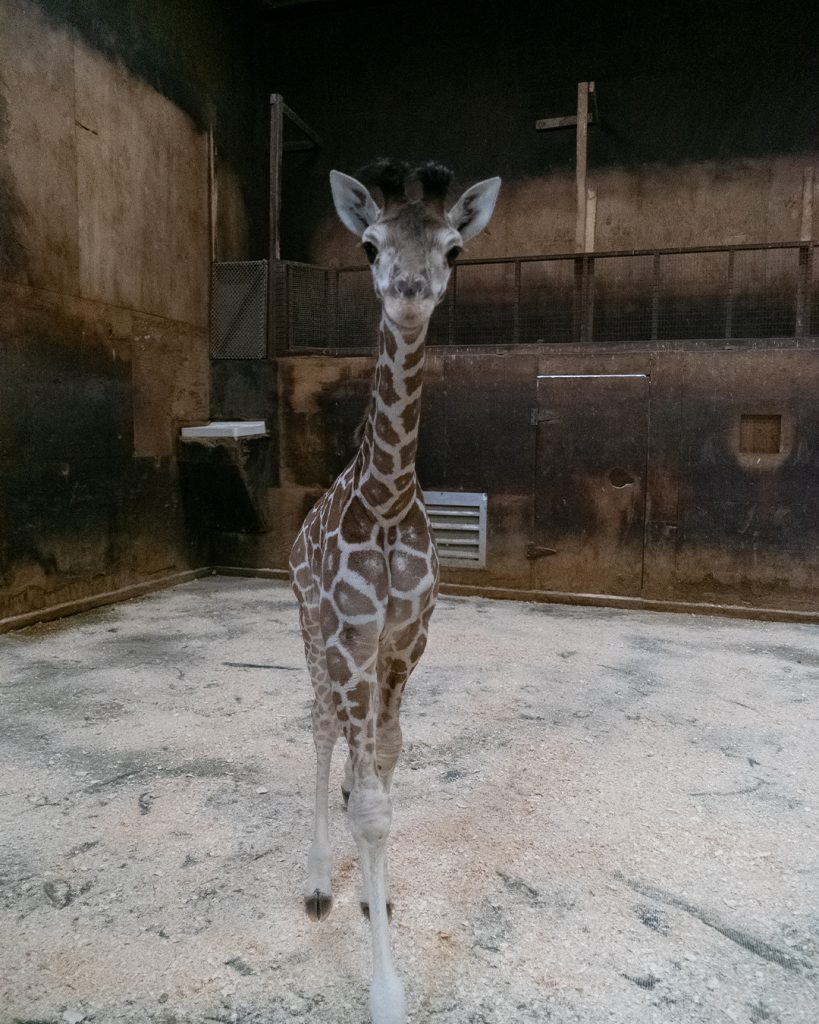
[(105, 245), (703, 512), (707, 113)]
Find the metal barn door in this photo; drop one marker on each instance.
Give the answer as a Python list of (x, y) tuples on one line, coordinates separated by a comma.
[(590, 482)]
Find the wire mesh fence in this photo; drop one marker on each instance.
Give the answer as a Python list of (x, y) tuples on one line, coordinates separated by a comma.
[(238, 310), (719, 293)]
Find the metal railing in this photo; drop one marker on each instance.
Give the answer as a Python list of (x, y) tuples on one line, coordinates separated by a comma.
[(708, 292)]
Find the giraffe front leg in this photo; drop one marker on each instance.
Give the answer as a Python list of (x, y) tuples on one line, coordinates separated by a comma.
[(388, 747), (394, 671), (370, 817), (369, 811)]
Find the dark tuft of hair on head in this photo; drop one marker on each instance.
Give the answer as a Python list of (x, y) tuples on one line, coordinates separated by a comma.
[(435, 179), (386, 174)]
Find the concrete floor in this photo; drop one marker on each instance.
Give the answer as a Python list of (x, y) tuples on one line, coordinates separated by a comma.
[(600, 816)]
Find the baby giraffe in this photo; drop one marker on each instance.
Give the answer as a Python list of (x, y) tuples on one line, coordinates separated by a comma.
[(364, 565)]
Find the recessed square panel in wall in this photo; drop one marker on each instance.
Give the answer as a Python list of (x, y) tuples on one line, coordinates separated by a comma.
[(760, 434), (238, 310)]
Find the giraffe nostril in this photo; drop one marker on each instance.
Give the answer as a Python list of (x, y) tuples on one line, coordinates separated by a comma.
[(410, 287)]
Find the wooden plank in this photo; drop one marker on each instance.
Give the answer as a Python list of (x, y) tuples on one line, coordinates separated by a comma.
[(301, 125), (548, 123), (580, 167), (276, 150), (275, 277), (591, 219), (213, 192), (803, 287), (806, 227)]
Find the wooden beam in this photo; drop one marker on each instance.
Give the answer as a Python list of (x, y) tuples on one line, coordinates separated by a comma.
[(276, 150), (580, 165), (302, 126), (591, 220), (213, 194), (806, 226), (547, 123)]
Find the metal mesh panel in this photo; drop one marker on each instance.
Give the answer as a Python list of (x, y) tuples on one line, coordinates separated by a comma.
[(691, 295), (238, 310), (484, 304), (309, 307), (730, 292), (547, 301), (763, 293), (358, 313), (622, 295)]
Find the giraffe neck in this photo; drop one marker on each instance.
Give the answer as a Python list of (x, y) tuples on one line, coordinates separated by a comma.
[(386, 459)]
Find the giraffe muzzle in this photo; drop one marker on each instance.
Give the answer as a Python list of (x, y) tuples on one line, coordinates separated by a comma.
[(411, 287), (408, 313)]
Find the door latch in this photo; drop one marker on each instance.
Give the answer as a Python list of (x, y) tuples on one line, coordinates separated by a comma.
[(534, 551)]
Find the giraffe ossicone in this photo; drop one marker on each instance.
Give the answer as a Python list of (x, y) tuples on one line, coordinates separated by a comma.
[(364, 566)]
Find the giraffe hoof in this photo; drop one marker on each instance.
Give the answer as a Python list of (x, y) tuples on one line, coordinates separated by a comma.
[(365, 909), (345, 795), (318, 905)]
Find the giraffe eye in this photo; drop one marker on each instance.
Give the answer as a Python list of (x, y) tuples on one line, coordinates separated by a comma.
[(453, 254), (370, 251)]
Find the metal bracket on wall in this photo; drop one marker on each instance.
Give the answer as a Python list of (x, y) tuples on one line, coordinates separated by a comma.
[(538, 416)]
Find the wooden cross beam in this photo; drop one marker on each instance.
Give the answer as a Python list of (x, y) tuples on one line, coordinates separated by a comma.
[(586, 197)]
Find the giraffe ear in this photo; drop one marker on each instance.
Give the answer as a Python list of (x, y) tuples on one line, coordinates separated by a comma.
[(471, 213), (355, 206)]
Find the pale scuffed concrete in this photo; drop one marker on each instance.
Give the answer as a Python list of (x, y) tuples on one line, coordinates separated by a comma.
[(600, 816)]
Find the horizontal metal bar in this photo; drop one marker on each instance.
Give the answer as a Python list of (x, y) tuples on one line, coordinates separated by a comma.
[(453, 510), (459, 527), (592, 376), (604, 254)]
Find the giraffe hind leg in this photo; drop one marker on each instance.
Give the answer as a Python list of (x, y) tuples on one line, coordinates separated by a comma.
[(347, 784), (318, 892)]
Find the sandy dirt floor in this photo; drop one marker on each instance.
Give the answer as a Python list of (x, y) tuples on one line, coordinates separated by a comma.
[(599, 816)]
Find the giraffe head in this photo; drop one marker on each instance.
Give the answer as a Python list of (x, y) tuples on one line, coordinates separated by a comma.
[(413, 241)]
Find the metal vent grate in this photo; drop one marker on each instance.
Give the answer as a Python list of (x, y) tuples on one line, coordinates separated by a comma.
[(238, 310), (458, 521)]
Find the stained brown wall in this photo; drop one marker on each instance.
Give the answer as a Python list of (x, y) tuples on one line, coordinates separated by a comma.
[(104, 264), (722, 526)]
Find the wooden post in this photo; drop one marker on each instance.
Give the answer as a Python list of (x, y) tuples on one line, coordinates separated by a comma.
[(277, 340), (276, 149), (803, 286), (580, 165), (806, 227), (213, 194), (591, 220)]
